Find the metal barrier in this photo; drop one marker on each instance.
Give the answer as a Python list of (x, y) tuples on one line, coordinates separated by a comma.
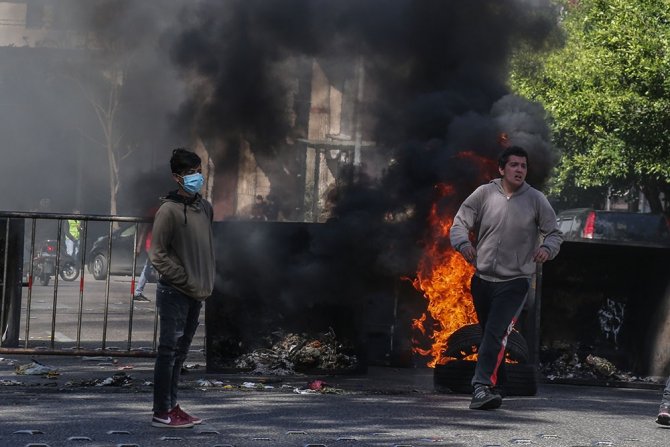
[(13, 253)]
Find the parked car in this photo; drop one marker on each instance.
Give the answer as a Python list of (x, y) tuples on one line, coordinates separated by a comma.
[(123, 241), (587, 224)]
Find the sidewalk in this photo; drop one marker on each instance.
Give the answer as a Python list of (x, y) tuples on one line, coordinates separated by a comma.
[(385, 407)]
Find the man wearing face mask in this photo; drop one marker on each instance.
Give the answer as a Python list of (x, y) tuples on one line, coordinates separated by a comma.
[(182, 252)]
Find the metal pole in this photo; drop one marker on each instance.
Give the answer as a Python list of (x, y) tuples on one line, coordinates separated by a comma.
[(358, 138), (132, 288), (4, 284), (107, 280), (55, 300), (82, 264), (315, 188), (30, 283), (534, 350)]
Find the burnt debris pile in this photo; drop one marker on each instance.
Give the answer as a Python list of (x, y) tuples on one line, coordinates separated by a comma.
[(574, 365), (294, 353)]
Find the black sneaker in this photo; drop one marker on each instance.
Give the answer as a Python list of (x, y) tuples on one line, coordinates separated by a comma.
[(484, 399), (140, 297), (663, 417)]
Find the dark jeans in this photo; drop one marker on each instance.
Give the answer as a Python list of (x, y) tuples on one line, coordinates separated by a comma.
[(178, 315), (666, 393), (498, 306)]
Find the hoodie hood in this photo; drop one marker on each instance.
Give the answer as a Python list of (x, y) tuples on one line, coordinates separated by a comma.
[(522, 189), (195, 202)]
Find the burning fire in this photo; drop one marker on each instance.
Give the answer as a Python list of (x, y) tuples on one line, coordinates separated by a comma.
[(443, 276)]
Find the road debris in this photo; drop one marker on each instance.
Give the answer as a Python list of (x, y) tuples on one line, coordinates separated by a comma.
[(293, 353), (120, 379), (36, 368), (318, 387), (573, 363)]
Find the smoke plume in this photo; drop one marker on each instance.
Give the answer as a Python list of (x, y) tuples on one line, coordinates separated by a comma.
[(436, 78), (237, 72)]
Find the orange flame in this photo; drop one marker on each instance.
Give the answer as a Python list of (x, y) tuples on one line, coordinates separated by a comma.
[(443, 275), (444, 278)]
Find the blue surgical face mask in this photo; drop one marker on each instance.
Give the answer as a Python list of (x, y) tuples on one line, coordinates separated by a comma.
[(192, 183)]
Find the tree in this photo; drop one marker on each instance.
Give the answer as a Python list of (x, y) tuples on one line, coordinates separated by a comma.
[(606, 87), (105, 102)]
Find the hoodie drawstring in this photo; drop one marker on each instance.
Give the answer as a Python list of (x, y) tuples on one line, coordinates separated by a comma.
[(172, 195)]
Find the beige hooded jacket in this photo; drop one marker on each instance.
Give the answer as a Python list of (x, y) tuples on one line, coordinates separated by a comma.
[(508, 230)]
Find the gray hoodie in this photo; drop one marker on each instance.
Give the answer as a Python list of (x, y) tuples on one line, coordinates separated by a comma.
[(182, 249), (507, 230)]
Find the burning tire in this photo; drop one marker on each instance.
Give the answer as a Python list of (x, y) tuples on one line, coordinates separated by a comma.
[(455, 376), (461, 343)]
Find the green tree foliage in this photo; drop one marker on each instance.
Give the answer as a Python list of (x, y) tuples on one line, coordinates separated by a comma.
[(606, 86)]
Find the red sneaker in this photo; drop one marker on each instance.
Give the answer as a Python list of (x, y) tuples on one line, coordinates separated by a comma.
[(177, 411), (170, 420)]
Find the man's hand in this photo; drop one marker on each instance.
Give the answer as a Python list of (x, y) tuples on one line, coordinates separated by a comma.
[(469, 253), (541, 255)]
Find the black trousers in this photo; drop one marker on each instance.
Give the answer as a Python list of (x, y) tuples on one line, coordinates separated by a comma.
[(498, 306), (179, 315)]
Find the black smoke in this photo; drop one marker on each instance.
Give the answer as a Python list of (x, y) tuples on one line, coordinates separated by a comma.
[(52, 82), (436, 78)]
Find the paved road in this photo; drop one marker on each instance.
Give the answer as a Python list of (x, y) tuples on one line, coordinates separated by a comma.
[(386, 407)]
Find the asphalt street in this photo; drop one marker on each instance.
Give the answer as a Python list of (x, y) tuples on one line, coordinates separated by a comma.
[(105, 402), (102, 401)]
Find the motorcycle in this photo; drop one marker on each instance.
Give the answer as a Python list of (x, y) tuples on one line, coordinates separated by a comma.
[(44, 264)]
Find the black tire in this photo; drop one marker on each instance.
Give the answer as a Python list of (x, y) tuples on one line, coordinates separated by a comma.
[(522, 379), (99, 266), (460, 343), (69, 271), (455, 377), (44, 279)]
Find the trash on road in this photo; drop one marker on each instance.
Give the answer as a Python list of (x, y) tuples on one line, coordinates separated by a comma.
[(36, 368), (318, 387), (292, 353), (209, 383), (120, 379)]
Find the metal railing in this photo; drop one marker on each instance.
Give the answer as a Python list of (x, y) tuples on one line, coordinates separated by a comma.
[(29, 345)]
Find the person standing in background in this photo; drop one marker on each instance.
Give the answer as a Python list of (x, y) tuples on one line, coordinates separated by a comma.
[(143, 244), (182, 252), (72, 235)]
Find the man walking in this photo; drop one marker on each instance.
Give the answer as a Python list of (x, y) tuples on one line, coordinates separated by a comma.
[(510, 218), (144, 242), (144, 245), (182, 253)]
